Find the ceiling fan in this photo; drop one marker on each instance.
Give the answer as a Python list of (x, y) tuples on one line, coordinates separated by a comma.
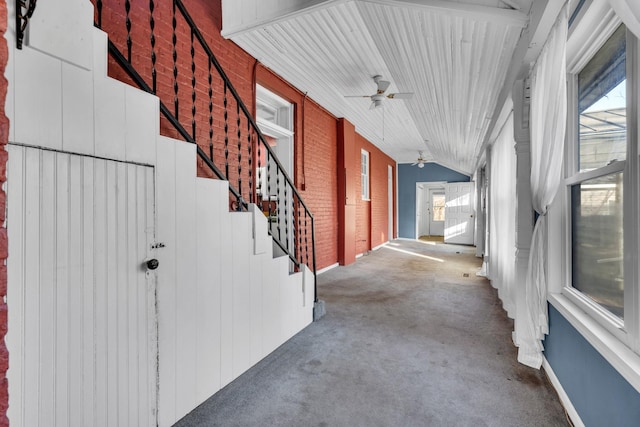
[(379, 96), (420, 161)]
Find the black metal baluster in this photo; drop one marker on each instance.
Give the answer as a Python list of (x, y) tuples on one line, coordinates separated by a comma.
[(152, 25), (226, 134), (286, 216), (99, 7), (193, 88), (306, 241), (210, 113), (268, 179), (279, 207), (259, 177), (239, 133), (174, 39), (127, 8), (299, 234), (250, 150)]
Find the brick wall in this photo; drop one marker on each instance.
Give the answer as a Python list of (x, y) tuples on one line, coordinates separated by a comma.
[(4, 139)]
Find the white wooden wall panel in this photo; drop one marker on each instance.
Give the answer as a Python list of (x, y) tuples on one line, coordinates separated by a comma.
[(142, 126), (226, 296), (77, 109), (271, 301), (186, 272), (255, 307), (9, 73), (38, 108), (242, 246), (209, 219), (110, 119), (167, 280), (81, 326), (62, 34)]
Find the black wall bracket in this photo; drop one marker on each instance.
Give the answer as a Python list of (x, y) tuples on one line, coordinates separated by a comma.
[(24, 12)]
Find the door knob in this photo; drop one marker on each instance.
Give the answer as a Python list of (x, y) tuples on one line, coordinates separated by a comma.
[(152, 264)]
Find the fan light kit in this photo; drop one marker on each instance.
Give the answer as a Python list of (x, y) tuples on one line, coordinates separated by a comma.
[(420, 161), (378, 97)]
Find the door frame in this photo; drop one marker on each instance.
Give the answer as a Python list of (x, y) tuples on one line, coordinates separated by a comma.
[(424, 187), (433, 191)]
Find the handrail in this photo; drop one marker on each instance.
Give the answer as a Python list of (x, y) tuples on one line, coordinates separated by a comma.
[(244, 108), (290, 209), (131, 72)]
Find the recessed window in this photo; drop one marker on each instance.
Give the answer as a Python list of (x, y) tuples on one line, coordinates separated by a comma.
[(364, 174)]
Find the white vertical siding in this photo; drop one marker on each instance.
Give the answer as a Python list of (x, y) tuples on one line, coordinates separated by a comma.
[(82, 307)]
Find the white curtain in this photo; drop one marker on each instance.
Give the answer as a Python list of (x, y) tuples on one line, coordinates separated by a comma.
[(502, 217), (548, 123), (629, 12)]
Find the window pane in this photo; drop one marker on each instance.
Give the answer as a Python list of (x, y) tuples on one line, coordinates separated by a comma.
[(602, 105), (438, 207), (597, 241)]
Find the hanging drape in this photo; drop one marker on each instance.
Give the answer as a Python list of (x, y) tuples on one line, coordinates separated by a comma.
[(502, 217), (548, 123), (629, 12)]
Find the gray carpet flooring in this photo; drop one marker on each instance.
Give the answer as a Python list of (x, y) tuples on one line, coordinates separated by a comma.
[(411, 338)]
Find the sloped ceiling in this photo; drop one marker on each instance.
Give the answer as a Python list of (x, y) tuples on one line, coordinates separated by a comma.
[(453, 55)]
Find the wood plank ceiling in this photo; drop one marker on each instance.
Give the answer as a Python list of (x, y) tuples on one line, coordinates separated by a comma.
[(453, 55)]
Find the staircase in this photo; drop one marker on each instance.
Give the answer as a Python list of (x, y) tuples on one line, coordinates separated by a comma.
[(228, 289), (199, 105)]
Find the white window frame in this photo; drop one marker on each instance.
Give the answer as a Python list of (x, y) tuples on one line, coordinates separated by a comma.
[(617, 342), (365, 180)]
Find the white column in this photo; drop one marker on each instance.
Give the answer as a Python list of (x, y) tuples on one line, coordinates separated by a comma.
[(524, 209)]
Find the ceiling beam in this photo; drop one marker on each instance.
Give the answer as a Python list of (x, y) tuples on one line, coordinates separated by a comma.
[(237, 19), (543, 15), (235, 13), (478, 12)]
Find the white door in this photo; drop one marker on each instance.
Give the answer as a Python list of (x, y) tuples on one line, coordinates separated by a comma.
[(459, 213), (436, 212), (82, 335)]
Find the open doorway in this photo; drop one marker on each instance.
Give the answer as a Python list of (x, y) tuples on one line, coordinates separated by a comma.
[(430, 209), (274, 116)]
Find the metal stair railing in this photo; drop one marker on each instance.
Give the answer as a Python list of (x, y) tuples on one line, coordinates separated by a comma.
[(199, 105)]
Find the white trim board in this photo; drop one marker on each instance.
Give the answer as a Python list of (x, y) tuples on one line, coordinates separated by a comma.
[(330, 267), (564, 398)]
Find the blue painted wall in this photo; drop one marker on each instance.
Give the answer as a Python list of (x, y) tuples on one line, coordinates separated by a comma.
[(601, 396), (408, 176)]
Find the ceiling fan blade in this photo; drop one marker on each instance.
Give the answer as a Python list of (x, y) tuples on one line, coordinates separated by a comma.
[(413, 164), (402, 95), (357, 96), (383, 85)]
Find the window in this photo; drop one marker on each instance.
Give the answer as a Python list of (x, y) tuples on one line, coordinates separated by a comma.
[(439, 202), (364, 174), (274, 116), (602, 177), (596, 183)]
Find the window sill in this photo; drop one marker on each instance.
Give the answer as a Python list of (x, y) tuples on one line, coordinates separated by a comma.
[(621, 357)]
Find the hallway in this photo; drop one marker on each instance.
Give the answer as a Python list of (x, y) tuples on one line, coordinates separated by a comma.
[(411, 338)]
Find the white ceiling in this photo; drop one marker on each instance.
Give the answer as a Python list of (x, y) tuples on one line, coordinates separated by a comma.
[(453, 55)]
